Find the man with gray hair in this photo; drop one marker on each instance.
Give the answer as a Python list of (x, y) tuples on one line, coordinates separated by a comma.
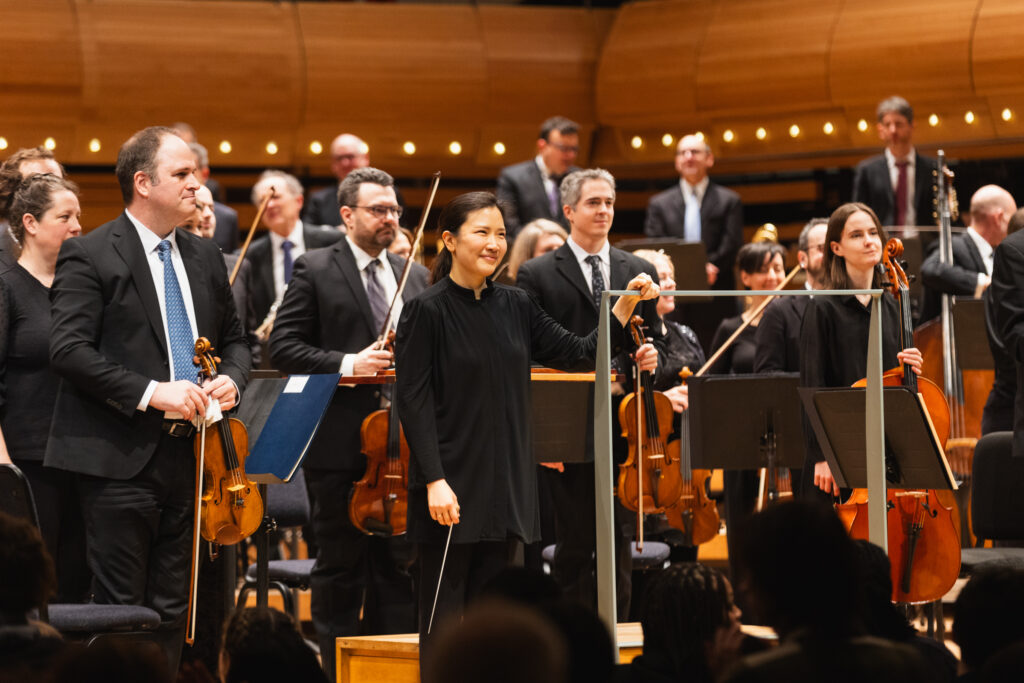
[(348, 153), (973, 251), (329, 321), (567, 283), (273, 255), (897, 184)]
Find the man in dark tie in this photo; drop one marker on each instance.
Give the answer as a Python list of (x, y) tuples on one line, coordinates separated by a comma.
[(897, 184), (329, 321), (699, 209), (129, 300), (531, 189), (567, 283), (273, 255)]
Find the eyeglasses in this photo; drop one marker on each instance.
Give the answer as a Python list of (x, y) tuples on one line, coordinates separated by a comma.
[(383, 211), (565, 149)]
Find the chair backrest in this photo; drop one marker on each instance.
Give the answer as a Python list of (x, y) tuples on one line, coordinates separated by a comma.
[(288, 504), (16, 494), (997, 483)]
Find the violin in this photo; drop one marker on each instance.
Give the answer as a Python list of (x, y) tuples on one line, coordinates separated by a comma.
[(695, 514), (228, 506), (923, 525), (378, 504), (650, 480)]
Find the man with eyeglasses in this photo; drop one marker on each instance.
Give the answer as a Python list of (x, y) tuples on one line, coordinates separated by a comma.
[(530, 189), (348, 153), (699, 209), (273, 256), (329, 321)]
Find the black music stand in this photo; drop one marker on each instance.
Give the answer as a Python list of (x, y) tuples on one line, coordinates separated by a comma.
[(276, 458), (772, 437), (914, 458), (688, 259), (972, 349), (560, 413)]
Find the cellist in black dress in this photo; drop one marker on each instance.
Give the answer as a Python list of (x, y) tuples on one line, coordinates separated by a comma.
[(463, 353), (834, 336)]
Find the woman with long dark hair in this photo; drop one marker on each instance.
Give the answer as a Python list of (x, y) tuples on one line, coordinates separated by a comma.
[(463, 353), (834, 335)]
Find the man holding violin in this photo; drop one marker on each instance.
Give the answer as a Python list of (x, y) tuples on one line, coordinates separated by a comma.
[(129, 300), (329, 321)]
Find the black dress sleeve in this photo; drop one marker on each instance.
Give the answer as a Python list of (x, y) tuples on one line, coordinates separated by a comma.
[(770, 339), (554, 346), (5, 331), (722, 366), (415, 342)]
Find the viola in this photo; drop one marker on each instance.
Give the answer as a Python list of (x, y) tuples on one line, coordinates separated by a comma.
[(231, 505), (378, 504), (695, 514), (228, 506), (923, 525), (649, 480)]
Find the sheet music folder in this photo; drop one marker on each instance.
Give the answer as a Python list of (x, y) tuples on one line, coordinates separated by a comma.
[(280, 437), (914, 457)]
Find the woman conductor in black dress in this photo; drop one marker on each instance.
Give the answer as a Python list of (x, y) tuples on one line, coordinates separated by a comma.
[(42, 211), (834, 334), (463, 353)]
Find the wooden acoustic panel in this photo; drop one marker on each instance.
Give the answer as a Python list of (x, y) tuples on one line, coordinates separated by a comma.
[(996, 48), (772, 53)]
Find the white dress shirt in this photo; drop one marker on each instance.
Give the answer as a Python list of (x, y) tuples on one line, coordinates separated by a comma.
[(386, 278), (581, 257)]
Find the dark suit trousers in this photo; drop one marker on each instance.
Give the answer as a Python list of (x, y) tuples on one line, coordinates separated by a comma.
[(354, 572), (572, 492), (139, 534)]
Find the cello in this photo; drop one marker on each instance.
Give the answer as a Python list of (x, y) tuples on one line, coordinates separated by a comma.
[(923, 525), (378, 503), (649, 480)]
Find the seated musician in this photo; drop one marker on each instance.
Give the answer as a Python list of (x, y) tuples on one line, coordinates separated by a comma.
[(329, 321), (834, 338), (971, 271)]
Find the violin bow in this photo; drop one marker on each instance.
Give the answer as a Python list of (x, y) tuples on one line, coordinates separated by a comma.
[(248, 238), (746, 323), (390, 317)]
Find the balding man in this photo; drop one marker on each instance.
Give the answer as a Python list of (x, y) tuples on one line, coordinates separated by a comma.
[(698, 209), (348, 153), (971, 270)]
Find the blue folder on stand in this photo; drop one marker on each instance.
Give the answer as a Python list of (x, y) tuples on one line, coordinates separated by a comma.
[(281, 434)]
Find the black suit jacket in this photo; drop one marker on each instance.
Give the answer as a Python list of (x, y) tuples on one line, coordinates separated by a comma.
[(721, 222), (226, 232), (958, 279), (260, 255), (872, 185), (322, 207), (521, 188), (778, 335), (324, 315), (556, 282), (1007, 299), (107, 343)]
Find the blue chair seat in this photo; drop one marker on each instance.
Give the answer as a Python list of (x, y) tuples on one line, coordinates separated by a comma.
[(90, 618), (972, 559), (654, 554)]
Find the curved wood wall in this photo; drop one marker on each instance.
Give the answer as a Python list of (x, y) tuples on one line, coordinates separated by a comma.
[(253, 72)]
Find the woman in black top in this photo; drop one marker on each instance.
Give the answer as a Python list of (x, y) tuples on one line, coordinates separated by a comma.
[(834, 335), (43, 211), (463, 353)]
